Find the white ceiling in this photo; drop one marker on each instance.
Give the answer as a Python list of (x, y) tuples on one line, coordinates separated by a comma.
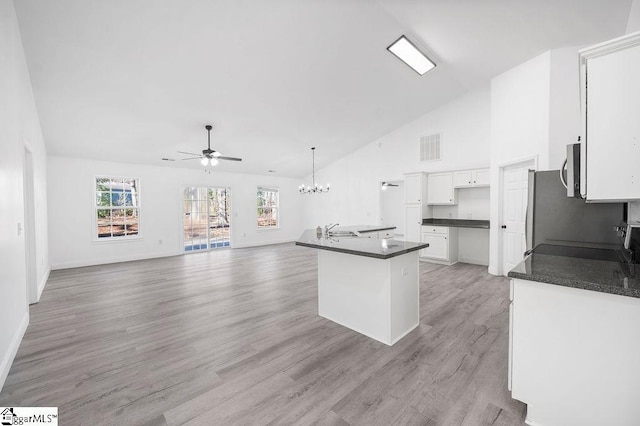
[(137, 80)]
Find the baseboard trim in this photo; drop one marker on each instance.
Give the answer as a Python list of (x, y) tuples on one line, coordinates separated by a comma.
[(43, 282), (264, 243), (473, 261), (119, 259), (7, 359)]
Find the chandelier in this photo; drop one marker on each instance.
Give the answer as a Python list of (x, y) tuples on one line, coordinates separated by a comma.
[(314, 188)]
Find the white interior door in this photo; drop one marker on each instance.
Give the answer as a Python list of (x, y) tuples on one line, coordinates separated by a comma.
[(514, 212)]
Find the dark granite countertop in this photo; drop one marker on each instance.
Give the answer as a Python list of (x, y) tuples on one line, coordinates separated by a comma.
[(363, 229), (457, 223), (368, 247), (595, 269)]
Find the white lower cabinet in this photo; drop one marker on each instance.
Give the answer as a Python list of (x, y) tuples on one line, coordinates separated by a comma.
[(443, 244), (573, 355), (381, 235)]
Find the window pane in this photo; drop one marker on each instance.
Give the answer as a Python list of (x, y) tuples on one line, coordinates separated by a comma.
[(103, 199), (117, 220), (102, 184), (131, 221), (104, 223)]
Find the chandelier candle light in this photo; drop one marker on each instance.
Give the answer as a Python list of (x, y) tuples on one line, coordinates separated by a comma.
[(314, 188)]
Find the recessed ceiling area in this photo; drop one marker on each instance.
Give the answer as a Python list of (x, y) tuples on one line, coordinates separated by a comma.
[(136, 81)]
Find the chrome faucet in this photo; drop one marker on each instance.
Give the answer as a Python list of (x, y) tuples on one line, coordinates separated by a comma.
[(329, 227)]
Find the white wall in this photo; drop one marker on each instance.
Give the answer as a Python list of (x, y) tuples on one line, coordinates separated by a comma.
[(519, 128), (633, 23), (565, 120), (18, 124), (355, 179), (535, 113), (71, 202)]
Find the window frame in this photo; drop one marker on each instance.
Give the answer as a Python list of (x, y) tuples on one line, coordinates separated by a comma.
[(266, 188), (96, 207)]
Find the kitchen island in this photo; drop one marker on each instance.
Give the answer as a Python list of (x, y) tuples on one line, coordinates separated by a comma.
[(369, 285)]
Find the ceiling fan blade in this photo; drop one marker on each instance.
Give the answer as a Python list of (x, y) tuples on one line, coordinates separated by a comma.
[(187, 153), (230, 158), (192, 158)]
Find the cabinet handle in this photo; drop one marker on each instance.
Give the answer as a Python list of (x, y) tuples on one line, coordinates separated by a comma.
[(469, 181), (474, 181)]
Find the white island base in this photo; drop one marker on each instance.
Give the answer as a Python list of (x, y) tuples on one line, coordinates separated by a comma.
[(375, 297)]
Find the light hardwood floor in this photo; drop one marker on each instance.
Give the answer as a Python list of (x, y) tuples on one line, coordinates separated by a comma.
[(233, 337)]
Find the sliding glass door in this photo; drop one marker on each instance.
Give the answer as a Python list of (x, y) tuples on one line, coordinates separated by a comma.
[(206, 218)]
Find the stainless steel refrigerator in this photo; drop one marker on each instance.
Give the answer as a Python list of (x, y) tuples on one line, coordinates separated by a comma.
[(552, 216)]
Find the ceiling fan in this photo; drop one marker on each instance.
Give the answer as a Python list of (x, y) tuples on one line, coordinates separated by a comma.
[(209, 156)]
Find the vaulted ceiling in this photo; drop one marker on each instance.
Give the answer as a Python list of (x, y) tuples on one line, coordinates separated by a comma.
[(137, 80)]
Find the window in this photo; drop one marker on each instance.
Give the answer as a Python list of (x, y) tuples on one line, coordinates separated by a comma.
[(117, 207), (268, 202)]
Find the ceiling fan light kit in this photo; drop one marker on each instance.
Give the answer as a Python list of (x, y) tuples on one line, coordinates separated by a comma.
[(209, 157), (314, 188)]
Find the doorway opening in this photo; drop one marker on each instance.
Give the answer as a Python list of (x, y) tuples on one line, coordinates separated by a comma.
[(206, 218), (29, 228), (392, 206)]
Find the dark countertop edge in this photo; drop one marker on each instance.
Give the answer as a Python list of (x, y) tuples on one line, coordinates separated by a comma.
[(583, 285), (458, 223), (363, 253), (381, 228)]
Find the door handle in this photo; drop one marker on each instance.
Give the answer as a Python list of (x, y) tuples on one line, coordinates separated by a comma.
[(504, 227)]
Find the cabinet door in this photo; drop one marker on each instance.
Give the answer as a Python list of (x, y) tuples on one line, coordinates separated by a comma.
[(440, 189), (462, 179), (612, 125), (481, 177), (438, 246), (413, 189), (412, 223)]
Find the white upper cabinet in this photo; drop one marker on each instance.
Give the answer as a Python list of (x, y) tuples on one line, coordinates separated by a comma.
[(462, 179), (471, 178), (414, 188), (440, 189), (481, 177), (610, 85)]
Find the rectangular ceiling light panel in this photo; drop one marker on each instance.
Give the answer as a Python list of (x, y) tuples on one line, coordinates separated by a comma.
[(408, 53)]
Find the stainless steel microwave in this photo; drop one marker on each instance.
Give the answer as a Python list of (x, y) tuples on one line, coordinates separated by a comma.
[(573, 170)]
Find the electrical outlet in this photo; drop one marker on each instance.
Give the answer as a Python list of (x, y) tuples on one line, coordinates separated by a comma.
[(404, 272)]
